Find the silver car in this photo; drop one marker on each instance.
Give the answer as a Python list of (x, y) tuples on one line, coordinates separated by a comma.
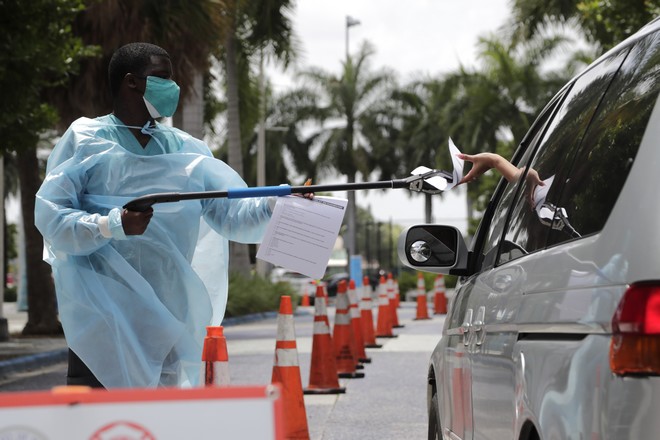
[(554, 328)]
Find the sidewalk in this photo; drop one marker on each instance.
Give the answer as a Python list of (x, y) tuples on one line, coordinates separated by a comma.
[(27, 353)]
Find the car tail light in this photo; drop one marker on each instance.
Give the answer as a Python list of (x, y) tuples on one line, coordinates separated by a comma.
[(635, 346)]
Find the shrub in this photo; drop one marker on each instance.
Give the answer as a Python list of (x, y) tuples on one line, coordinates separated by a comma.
[(408, 281), (10, 294), (255, 294)]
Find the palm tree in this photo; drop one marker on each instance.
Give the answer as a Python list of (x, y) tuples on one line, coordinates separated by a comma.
[(185, 28), (36, 57), (188, 29), (603, 23), (419, 112), (494, 106), (255, 27), (343, 103)]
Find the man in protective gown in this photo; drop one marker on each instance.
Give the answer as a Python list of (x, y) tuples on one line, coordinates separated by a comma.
[(135, 290)]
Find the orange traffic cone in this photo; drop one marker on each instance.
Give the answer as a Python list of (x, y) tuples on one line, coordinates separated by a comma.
[(343, 336), (215, 360), (440, 299), (422, 307), (368, 334), (394, 301), (356, 322), (384, 325), (304, 302), (397, 293), (286, 372), (323, 371), (324, 285)]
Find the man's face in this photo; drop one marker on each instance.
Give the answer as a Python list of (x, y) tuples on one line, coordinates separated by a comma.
[(160, 66)]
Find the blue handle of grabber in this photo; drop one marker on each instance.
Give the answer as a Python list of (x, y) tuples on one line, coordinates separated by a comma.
[(260, 191)]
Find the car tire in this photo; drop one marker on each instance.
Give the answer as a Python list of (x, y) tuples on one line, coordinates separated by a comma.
[(435, 433)]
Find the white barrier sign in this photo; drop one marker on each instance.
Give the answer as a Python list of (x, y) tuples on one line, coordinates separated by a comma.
[(162, 414)]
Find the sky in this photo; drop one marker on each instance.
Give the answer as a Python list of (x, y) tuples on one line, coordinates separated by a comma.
[(414, 38)]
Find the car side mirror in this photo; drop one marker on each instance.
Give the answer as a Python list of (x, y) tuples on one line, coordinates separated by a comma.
[(433, 248)]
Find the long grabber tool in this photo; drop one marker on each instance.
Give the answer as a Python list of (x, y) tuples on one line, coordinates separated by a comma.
[(417, 183)]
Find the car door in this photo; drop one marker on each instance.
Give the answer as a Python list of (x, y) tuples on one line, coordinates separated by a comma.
[(456, 371), (522, 223), (463, 326)]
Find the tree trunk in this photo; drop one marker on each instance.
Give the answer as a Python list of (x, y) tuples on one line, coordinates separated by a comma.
[(4, 324), (190, 114), (42, 305), (239, 258), (470, 213)]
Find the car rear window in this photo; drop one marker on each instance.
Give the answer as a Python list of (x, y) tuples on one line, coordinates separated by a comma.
[(527, 231), (611, 142), (587, 152)]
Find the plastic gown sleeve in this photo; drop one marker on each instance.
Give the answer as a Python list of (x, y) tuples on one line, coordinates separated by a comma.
[(58, 216)]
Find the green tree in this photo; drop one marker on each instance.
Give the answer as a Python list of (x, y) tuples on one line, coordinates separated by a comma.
[(343, 103), (494, 105), (603, 22), (39, 51), (254, 27), (295, 110), (416, 116), (187, 29)]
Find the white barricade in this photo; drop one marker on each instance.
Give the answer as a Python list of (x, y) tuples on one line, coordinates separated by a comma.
[(162, 414)]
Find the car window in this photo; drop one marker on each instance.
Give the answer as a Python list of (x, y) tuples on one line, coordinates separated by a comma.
[(498, 219), (611, 143), (532, 216)]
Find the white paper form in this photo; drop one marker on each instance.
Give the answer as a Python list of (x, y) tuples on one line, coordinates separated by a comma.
[(302, 233)]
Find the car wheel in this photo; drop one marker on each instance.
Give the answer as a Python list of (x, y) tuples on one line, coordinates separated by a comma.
[(434, 424)]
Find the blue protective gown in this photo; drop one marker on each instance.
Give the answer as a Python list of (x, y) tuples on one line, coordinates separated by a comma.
[(134, 308)]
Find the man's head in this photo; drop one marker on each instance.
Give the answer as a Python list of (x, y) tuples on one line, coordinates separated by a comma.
[(137, 59), (141, 83)]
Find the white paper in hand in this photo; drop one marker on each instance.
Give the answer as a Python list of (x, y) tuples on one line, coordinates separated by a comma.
[(458, 163), (302, 233), (541, 193)]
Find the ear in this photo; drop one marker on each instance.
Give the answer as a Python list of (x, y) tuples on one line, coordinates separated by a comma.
[(130, 80)]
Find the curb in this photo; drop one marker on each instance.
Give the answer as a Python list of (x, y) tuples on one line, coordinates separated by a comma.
[(32, 362), (35, 361)]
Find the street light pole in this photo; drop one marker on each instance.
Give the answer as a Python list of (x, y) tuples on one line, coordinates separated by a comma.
[(350, 21), (261, 134), (351, 222)]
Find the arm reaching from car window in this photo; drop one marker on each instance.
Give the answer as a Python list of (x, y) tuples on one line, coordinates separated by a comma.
[(483, 162)]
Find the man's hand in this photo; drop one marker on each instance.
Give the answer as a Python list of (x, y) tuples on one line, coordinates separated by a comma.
[(309, 195), (136, 222)]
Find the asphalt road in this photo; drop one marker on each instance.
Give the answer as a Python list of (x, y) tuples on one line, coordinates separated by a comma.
[(388, 403)]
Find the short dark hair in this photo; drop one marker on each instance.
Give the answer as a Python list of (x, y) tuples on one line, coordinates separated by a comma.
[(131, 58)]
